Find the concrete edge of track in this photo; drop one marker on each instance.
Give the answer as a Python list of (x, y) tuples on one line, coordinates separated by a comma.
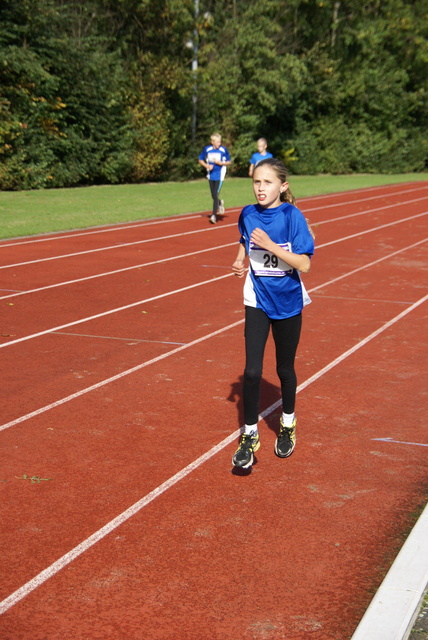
[(394, 608)]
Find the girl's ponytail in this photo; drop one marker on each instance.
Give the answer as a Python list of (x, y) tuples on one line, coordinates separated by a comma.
[(287, 196), (310, 228)]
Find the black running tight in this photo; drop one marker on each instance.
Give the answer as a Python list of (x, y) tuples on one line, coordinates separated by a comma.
[(286, 334), (215, 193)]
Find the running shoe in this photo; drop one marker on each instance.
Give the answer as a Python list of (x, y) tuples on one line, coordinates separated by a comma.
[(221, 208), (213, 218), (249, 444), (286, 440)]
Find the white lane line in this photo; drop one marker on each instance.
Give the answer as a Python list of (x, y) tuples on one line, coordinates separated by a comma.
[(364, 300), (164, 295), (185, 255), (111, 311), (127, 372), (363, 233), (71, 555), (116, 246), (360, 213), (186, 233), (369, 264), (353, 349), (133, 340), (66, 559), (51, 236), (386, 187), (416, 444), (190, 216), (118, 376), (111, 273)]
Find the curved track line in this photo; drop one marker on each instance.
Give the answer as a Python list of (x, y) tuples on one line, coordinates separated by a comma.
[(111, 273), (116, 246), (369, 264), (387, 187), (71, 555), (352, 202), (188, 216), (177, 257), (361, 213), (118, 376), (363, 233), (181, 348), (94, 230), (164, 295), (186, 233), (111, 311)]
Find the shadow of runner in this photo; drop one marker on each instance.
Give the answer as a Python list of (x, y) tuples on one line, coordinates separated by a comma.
[(269, 393)]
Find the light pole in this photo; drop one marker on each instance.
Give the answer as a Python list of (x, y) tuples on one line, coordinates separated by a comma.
[(195, 69)]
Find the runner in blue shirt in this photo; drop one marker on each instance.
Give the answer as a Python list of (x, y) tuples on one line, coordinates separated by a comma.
[(279, 243), (215, 158), (261, 154)]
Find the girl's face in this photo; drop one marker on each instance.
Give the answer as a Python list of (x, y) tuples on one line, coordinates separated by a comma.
[(268, 187)]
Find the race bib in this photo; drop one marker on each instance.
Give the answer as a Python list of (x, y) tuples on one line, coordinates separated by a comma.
[(212, 157), (265, 263)]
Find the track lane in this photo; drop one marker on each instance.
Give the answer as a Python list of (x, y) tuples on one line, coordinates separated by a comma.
[(174, 369), (108, 350), (214, 527), (295, 620), (17, 313), (148, 231)]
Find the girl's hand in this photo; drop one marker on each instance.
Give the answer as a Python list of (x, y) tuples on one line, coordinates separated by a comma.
[(238, 268), (261, 239)]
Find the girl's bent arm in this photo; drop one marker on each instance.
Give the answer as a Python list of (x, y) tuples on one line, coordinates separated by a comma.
[(238, 266), (299, 261)]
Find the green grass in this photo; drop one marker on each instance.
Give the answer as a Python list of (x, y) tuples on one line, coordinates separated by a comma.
[(26, 213)]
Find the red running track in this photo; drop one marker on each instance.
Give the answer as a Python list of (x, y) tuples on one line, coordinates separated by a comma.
[(122, 357)]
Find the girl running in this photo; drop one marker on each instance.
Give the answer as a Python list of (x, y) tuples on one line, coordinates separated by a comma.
[(279, 243)]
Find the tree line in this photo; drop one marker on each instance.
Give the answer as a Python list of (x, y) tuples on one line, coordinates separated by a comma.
[(111, 91)]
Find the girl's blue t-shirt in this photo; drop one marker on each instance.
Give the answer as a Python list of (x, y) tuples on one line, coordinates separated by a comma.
[(275, 288), (258, 157)]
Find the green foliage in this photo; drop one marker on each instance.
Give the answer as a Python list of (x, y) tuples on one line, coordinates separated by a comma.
[(150, 121), (334, 147), (243, 79), (64, 99), (105, 91)]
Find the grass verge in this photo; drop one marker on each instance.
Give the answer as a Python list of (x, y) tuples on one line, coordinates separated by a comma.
[(24, 213)]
